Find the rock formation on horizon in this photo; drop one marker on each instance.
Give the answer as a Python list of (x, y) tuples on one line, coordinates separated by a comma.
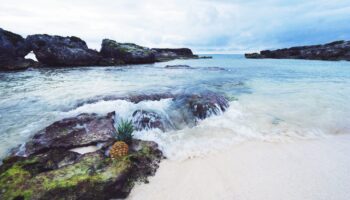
[(58, 51), (13, 49), (338, 50)]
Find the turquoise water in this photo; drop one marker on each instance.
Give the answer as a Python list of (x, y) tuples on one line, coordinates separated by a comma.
[(273, 100)]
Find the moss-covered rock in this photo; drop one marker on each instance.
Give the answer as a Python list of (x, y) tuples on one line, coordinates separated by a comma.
[(126, 52), (90, 176)]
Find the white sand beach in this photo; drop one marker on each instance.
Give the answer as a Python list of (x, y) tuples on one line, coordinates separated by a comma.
[(305, 169)]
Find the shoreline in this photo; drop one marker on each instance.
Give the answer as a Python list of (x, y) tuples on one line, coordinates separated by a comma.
[(302, 169)]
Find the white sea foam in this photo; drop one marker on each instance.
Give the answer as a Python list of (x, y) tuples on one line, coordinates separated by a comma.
[(123, 109)]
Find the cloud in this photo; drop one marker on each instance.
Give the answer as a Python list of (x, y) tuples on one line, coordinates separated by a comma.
[(204, 25)]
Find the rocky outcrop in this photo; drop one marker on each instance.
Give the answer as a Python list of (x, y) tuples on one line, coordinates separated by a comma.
[(62, 51), (83, 130), (127, 53), (58, 51), (55, 172), (165, 54), (13, 49), (339, 50)]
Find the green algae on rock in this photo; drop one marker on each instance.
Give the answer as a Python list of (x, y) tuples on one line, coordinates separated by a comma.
[(128, 53), (91, 176), (56, 172)]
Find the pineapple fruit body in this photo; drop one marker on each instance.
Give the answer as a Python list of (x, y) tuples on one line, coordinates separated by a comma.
[(119, 149)]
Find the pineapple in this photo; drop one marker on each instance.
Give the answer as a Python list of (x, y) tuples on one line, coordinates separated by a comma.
[(119, 149), (124, 137)]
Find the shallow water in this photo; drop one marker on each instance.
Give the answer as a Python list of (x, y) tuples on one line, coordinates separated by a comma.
[(274, 100)]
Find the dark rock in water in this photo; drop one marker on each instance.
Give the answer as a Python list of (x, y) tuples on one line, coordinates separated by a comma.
[(135, 98), (83, 130), (205, 57), (62, 51), (18, 63), (201, 105), (13, 49), (126, 52), (143, 119), (178, 67), (253, 55), (215, 68), (339, 50), (165, 54), (88, 176)]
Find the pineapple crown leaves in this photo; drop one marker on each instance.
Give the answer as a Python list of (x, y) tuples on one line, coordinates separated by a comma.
[(125, 130)]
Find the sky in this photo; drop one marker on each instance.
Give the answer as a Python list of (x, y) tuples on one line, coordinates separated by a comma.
[(206, 26)]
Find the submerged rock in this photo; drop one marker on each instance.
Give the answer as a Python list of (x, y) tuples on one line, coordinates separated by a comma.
[(165, 54), (62, 51), (339, 50), (201, 105), (178, 67), (126, 52), (135, 98), (83, 130), (143, 119)]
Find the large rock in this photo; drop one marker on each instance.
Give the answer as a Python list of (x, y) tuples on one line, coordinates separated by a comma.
[(339, 50), (126, 52), (13, 49), (50, 169), (83, 130), (12, 45), (165, 54), (62, 51), (69, 175)]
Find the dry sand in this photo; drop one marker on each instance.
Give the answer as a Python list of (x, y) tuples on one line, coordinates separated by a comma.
[(305, 169)]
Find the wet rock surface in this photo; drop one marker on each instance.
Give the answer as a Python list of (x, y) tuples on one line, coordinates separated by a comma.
[(55, 172), (127, 53), (186, 108), (338, 50), (62, 51), (144, 120), (135, 98), (201, 105), (178, 67), (83, 130)]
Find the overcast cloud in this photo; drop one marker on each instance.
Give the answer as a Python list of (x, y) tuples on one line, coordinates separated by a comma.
[(203, 25)]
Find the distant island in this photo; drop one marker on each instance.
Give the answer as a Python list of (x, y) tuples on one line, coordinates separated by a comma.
[(338, 50), (58, 51)]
